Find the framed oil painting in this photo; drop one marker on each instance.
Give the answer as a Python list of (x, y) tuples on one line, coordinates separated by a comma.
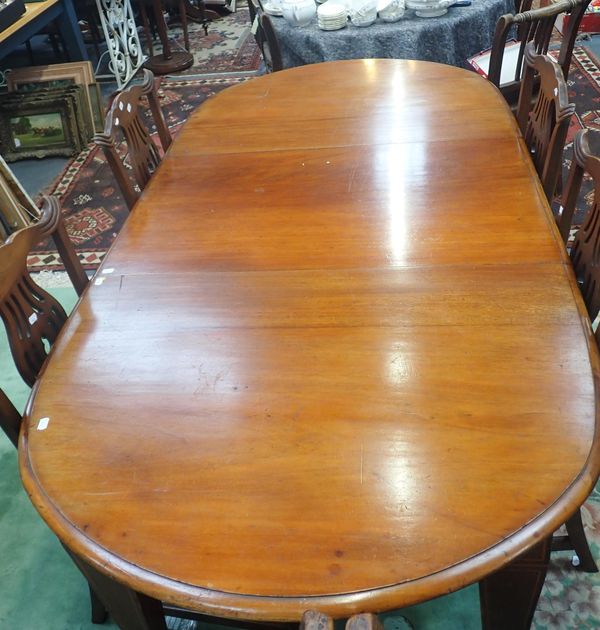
[(61, 75), (38, 128)]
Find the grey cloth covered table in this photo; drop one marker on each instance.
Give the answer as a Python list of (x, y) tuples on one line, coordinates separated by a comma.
[(449, 39)]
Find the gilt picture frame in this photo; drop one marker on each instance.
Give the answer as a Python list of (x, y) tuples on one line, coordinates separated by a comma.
[(62, 75), (17, 209), (38, 128)]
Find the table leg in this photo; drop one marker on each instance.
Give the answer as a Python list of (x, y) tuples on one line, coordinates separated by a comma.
[(509, 596), (129, 609), (70, 32), (169, 61)]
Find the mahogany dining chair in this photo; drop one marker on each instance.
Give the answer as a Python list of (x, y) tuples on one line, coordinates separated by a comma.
[(585, 258), (505, 60), (32, 317), (544, 120), (265, 36), (271, 50), (142, 153)]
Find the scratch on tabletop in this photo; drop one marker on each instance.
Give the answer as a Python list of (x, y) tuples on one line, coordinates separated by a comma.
[(351, 178), (361, 463), (121, 282)]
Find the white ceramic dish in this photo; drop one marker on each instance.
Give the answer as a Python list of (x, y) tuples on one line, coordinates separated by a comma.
[(272, 9)]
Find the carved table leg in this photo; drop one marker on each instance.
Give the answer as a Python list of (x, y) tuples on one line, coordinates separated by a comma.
[(509, 596), (169, 61)]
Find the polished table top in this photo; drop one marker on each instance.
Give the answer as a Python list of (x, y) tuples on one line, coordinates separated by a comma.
[(337, 352)]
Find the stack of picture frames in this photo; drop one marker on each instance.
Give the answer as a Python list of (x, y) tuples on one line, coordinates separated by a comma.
[(49, 110), (17, 209)]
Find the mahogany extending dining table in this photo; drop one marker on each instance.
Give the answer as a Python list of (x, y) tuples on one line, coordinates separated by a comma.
[(336, 360)]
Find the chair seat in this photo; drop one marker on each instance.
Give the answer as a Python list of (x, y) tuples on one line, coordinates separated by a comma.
[(481, 62)]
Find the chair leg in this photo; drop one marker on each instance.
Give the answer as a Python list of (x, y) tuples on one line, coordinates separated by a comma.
[(184, 25), (580, 544), (99, 612), (147, 29)]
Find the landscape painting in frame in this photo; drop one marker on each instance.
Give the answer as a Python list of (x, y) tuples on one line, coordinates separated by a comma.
[(59, 76), (37, 128), (37, 131)]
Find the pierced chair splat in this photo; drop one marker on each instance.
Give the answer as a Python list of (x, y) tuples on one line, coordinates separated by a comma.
[(32, 317), (585, 258), (544, 121), (142, 153), (504, 63)]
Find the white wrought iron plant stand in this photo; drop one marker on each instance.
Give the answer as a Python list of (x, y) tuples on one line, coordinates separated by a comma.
[(120, 32)]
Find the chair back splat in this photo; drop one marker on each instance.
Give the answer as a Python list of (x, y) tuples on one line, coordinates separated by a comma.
[(585, 252), (143, 155), (544, 124), (585, 258), (531, 26), (32, 317)]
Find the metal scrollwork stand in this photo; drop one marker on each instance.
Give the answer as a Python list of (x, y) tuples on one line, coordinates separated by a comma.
[(120, 32)]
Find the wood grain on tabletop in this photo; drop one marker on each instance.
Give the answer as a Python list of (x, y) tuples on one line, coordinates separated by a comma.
[(339, 351)]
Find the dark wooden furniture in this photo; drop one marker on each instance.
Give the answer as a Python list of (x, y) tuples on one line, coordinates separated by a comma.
[(265, 37), (169, 60), (142, 154), (535, 26), (32, 317), (584, 161), (346, 351), (544, 119), (10, 419), (270, 46), (584, 252), (584, 256)]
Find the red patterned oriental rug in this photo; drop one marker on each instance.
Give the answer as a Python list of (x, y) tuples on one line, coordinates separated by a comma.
[(92, 205)]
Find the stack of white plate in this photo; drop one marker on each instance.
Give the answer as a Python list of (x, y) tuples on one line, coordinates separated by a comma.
[(332, 16)]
